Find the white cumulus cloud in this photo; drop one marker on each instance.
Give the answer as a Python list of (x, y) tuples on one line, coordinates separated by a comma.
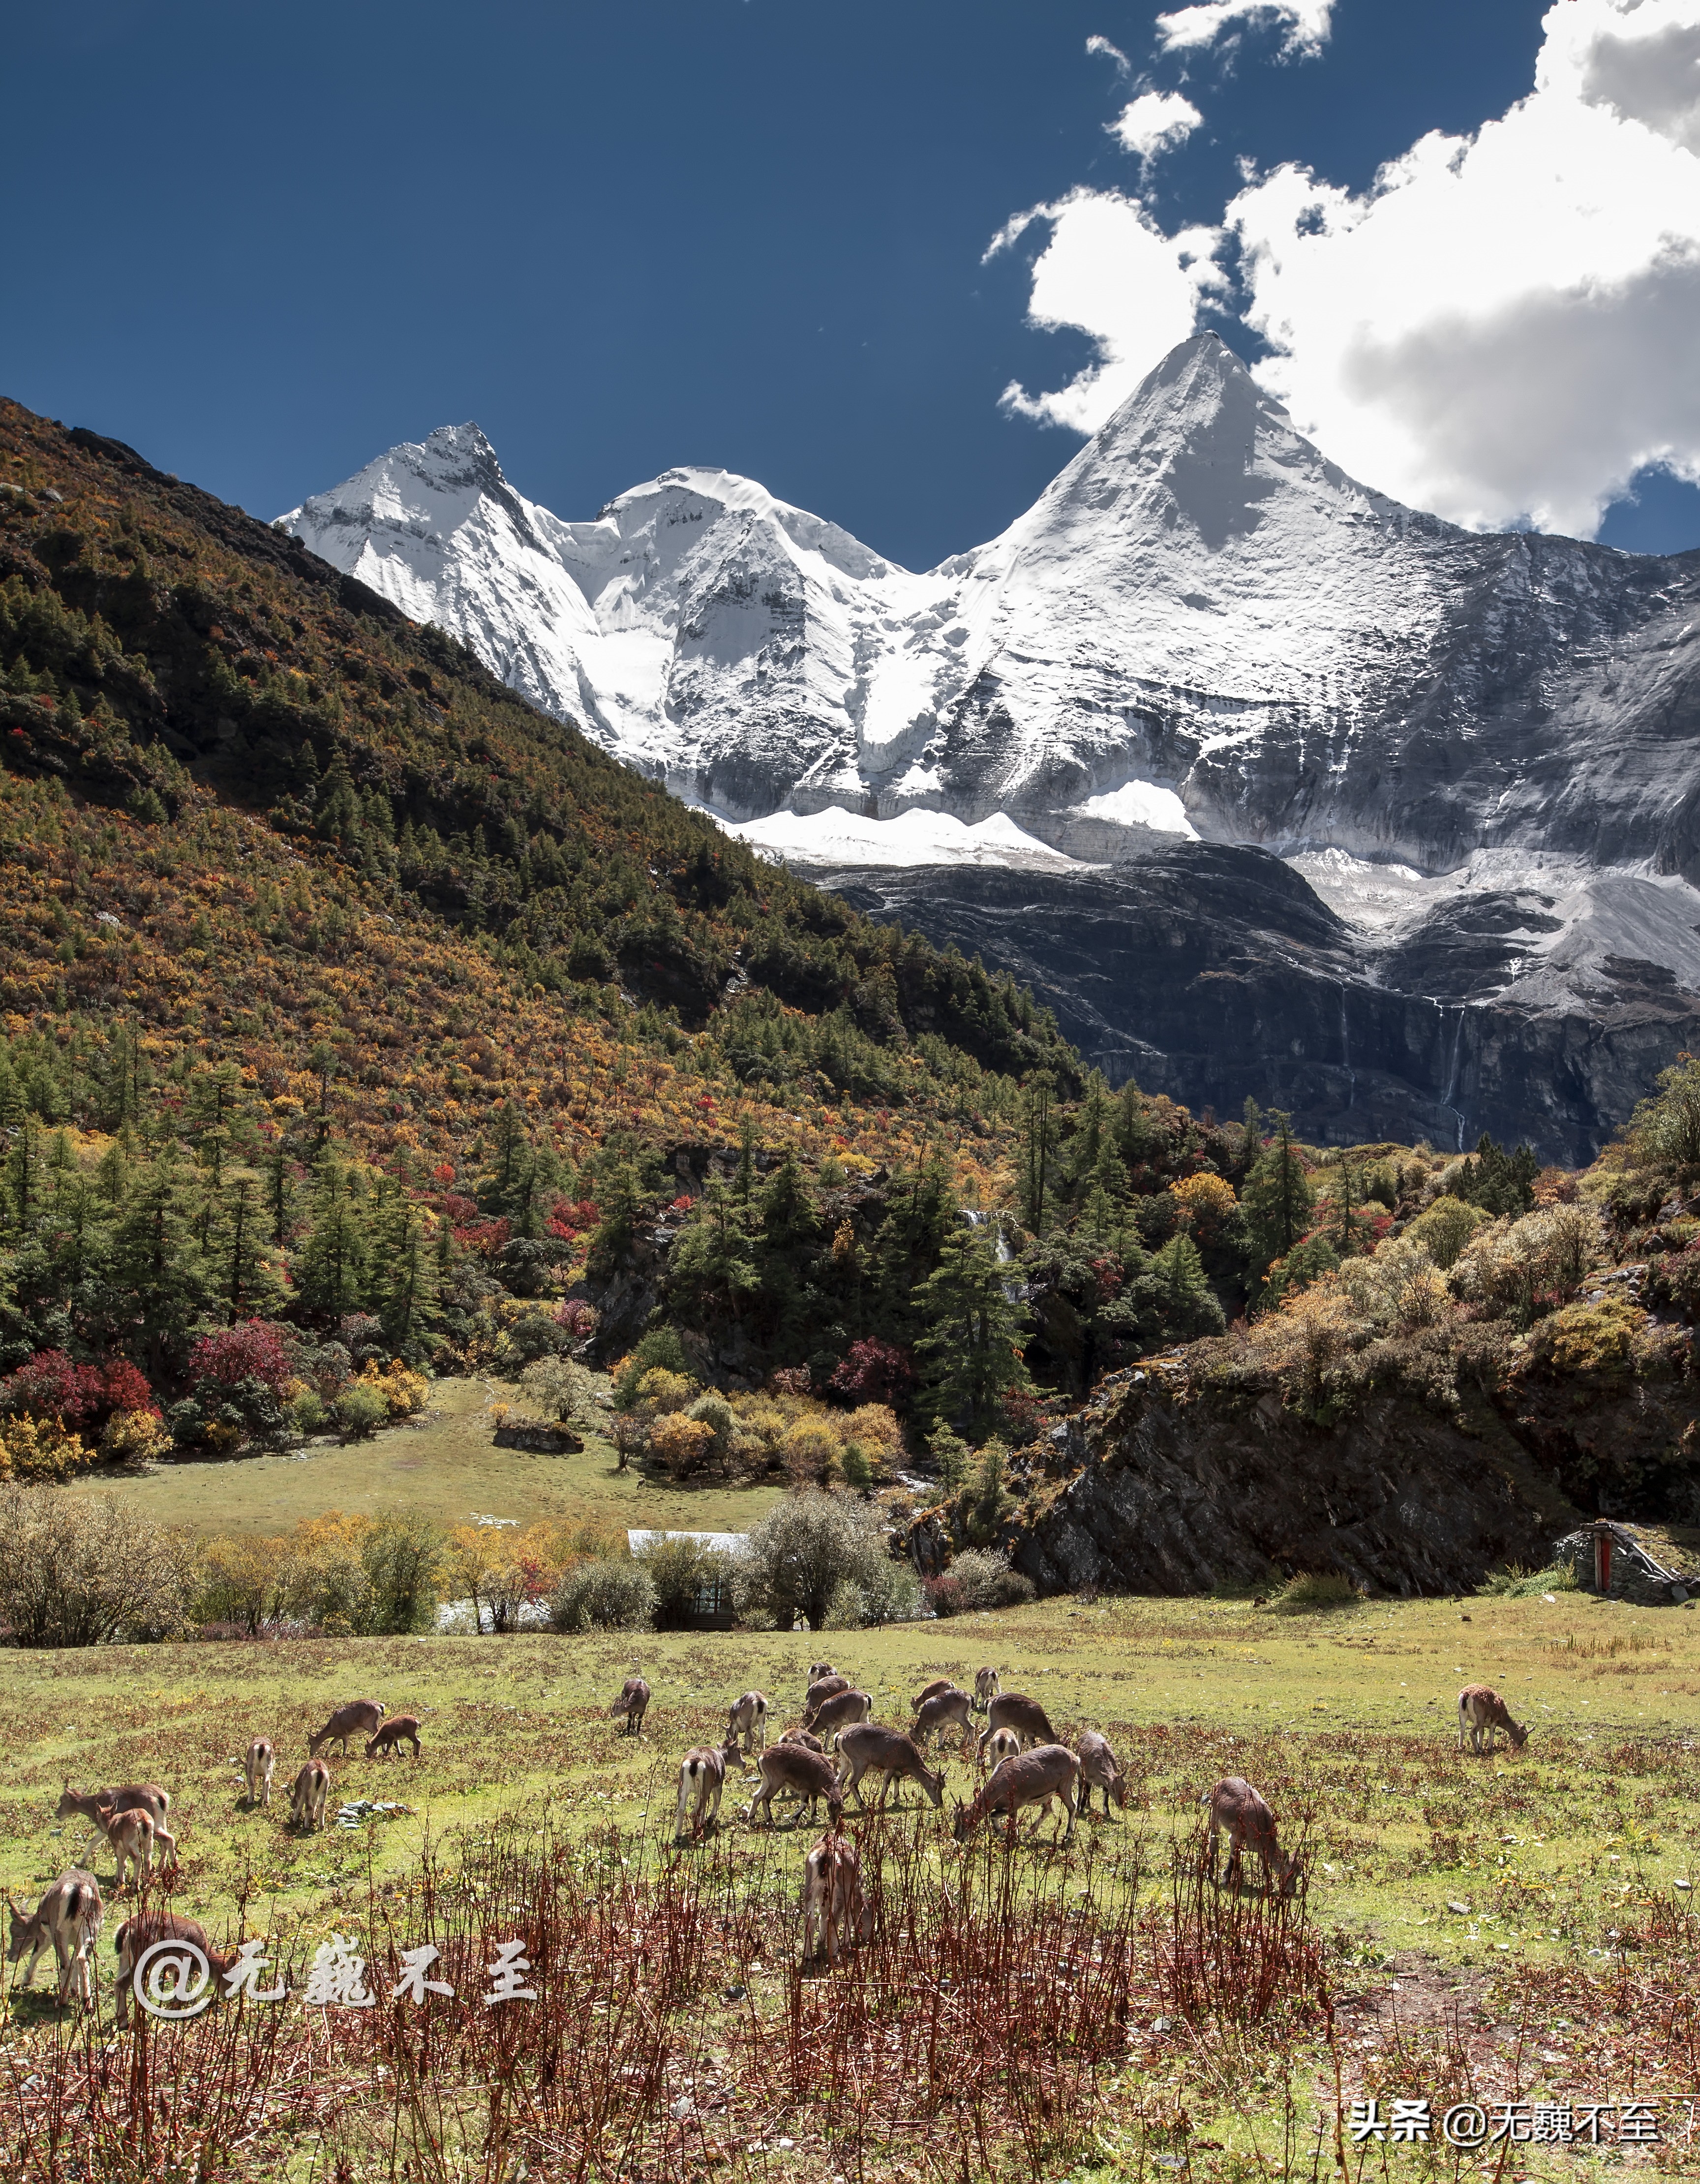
[(1506, 326), (1304, 24), (1109, 270), (1156, 121)]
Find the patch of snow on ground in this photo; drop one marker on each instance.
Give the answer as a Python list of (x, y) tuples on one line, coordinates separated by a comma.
[(836, 837), (1140, 804)]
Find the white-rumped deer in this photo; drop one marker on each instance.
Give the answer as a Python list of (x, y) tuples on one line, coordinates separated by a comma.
[(838, 1712), (836, 1914), (996, 1745), (933, 1690), (67, 1920), (946, 1709), (359, 1717), (986, 1688), (745, 1718), (1481, 1711), (390, 1735), (256, 1771), (792, 1771), (633, 1702), (98, 1808), (702, 1781), (1025, 1716), (308, 1794), (1239, 1812), (866, 1748), (1030, 1777), (139, 1934), (1099, 1769)]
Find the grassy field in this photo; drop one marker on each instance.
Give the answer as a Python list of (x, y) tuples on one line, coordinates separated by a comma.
[(445, 1465), (1516, 1925)]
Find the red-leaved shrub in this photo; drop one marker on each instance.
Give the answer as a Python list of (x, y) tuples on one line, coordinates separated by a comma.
[(255, 1351), (875, 1372)]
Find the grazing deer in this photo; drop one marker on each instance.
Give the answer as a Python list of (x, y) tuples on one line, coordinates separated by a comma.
[(945, 1710), (986, 1688), (939, 1686), (67, 1918), (827, 1687), (1239, 1812), (795, 1771), (702, 1779), (1481, 1711), (97, 1806), (359, 1717), (307, 1796), (818, 1670), (836, 1914), (804, 1736), (1101, 1769), (744, 1719), (633, 1702), (257, 1771), (400, 1729), (838, 1711), (865, 1747), (996, 1745), (137, 1936), (1025, 1716), (1030, 1777)]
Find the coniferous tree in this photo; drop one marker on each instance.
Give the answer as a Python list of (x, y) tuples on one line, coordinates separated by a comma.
[(973, 1329), (1278, 1198)]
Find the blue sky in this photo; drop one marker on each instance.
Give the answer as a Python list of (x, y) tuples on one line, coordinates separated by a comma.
[(262, 245)]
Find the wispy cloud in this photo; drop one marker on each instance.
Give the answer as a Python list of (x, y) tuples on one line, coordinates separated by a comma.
[(1097, 45), (1304, 24), (1156, 121)]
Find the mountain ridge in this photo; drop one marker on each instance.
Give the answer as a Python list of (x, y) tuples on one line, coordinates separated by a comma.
[(1482, 751)]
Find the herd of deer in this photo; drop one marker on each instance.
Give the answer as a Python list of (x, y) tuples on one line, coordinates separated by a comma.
[(1028, 1766)]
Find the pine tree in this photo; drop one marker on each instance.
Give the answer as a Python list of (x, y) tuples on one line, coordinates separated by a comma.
[(1278, 1198), (975, 1327), (1037, 1146), (332, 1265)]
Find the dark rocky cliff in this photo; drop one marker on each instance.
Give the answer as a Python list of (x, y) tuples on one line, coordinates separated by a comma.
[(1179, 1493)]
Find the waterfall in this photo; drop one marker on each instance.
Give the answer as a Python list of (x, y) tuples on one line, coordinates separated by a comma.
[(1452, 1068), (1346, 1052)]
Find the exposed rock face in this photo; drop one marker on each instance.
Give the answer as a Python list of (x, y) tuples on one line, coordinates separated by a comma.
[(1179, 1496), (1481, 753), (1210, 973)]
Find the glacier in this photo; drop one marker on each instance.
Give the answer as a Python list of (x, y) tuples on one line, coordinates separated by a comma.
[(1422, 804)]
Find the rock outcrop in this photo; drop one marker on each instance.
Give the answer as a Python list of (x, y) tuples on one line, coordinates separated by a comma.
[(1180, 1492)]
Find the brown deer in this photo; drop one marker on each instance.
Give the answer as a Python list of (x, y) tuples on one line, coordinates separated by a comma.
[(307, 1796), (836, 1914), (359, 1717), (66, 1918), (818, 1670), (97, 1806), (1237, 1811), (137, 1935), (838, 1712), (1025, 1716), (795, 1771), (1030, 1778), (1101, 1769), (827, 1687), (257, 1771), (747, 1716), (949, 1710), (865, 1747), (804, 1736), (1481, 1712), (400, 1729), (702, 1780), (633, 1702), (933, 1690), (986, 1688)]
